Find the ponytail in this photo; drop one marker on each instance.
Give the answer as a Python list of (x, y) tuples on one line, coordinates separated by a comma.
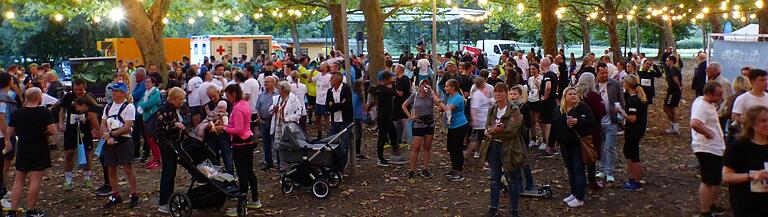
[(641, 94), (634, 83)]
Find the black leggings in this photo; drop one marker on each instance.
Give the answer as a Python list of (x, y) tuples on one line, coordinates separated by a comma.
[(243, 157), (387, 132), (456, 146)]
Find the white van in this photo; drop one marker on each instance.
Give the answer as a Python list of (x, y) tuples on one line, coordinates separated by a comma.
[(494, 48)]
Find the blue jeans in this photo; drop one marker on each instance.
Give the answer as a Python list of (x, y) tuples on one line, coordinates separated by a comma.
[(608, 156), (577, 177), (343, 149), (167, 175), (495, 162), (220, 145), (266, 139)]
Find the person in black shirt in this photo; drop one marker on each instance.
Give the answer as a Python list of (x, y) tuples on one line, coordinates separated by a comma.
[(648, 72), (77, 126), (700, 75), (547, 103), (674, 93), (386, 127), (563, 74), (635, 112), (402, 92), (32, 124), (745, 166), (465, 78), (494, 79)]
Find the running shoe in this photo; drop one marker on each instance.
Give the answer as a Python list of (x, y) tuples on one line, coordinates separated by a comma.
[(68, 186), (134, 201), (456, 178), (425, 174), (569, 198), (6, 203), (532, 144), (575, 203), (104, 191), (112, 201), (610, 179), (672, 131), (253, 204), (450, 173), (632, 185), (35, 213), (383, 163), (231, 212), (164, 209), (477, 155), (600, 175)]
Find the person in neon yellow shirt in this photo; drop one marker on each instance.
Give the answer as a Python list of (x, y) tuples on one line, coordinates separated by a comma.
[(305, 78)]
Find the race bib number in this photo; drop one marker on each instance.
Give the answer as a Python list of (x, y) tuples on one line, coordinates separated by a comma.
[(76, 118), (645, 82)]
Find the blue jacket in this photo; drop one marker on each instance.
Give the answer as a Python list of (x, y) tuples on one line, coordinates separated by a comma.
[(151, 105), (138, 91)]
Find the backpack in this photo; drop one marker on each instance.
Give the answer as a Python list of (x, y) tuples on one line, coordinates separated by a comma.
[(120, 111)]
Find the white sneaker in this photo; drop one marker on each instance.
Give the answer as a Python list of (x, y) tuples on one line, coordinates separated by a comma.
[(231, 212), (542, 146), (575, 203), (532, 144), (569, 198), (6, 203), (672, 131), (610, 179), (600, 175), (163, 209), (477, 155)]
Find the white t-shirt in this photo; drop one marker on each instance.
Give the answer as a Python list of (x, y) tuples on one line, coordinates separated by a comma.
[(553, 67), (252, 89), (423, 67), (192, 87), (523, 64), (48, 100), (479, 106), (202, 92), (612, 70), (534, 83), (220, 83), (337, 116), (300, 90), (323, 83), (706, 113), (747, 100), (113, 123)]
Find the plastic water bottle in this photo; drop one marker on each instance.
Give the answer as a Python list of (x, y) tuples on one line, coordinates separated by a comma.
[(99, 147), (81, 157)]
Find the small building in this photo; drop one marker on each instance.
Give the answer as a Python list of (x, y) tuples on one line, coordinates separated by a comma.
[(310, 46)]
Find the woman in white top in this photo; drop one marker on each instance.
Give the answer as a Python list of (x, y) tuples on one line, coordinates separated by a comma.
[(534, 85), (480, 101)]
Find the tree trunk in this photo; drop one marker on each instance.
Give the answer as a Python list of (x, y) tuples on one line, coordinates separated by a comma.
[(667, 37), (762, 17), (613, 37), (715, 23), (585, 39), (374, 23), (296, 39), (549, 25), (334, 8), (147, 29)]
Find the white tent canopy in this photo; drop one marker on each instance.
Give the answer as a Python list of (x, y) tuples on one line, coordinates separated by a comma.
[(417, 15), (747, 33)]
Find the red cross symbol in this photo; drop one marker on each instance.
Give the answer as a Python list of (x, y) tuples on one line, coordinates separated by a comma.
[(221, 50)]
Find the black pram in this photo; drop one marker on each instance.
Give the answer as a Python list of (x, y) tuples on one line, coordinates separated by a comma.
[(311, 163), (203, 192)]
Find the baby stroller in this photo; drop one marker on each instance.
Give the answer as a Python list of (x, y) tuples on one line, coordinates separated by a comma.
[(203, 192), (311, 163)]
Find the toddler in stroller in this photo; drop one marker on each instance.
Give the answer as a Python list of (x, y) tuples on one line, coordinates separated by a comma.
[(311, 163), (209, 187)]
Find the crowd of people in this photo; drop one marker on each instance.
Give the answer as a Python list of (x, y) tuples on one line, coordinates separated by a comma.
[(501, 115)]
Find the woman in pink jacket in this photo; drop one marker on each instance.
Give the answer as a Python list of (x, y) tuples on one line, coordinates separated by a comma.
[(242, 144)]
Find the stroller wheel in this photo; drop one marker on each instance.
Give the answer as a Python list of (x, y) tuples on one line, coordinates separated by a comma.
[(180, 205), (321, 189), (334, 179), (287, 187), (241, 209)]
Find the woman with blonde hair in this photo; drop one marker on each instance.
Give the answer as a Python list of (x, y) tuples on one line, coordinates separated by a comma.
[(635, 113), (741, 85), (572, 121), (744, 165)]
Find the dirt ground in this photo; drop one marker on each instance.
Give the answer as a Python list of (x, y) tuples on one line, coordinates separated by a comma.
[(670, 173)]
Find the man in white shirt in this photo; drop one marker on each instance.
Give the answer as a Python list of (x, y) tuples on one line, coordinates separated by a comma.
[(323, 82), (202, 90), (218, 74), (117, 123), (195, 107), (754, 97), (340, 108), (522, 62), (708, 145), (612, 69)]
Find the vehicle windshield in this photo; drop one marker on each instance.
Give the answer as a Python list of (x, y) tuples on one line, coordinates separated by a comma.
[(510, 47)]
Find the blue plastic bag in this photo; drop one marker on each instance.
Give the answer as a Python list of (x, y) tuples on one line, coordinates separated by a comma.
[(99, 147), (81, 157)]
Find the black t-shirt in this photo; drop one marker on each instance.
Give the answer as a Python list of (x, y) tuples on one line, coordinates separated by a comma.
[(672, 72), (71, 116), (465, 82), (550, 77), (30, 125), (743, 157), (383, 101), (636, 107), (403, 84)]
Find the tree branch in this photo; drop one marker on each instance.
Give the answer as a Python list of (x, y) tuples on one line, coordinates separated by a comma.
[(394, 9), (589, 4)]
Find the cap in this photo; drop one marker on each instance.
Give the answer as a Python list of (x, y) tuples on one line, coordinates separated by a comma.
[(119, 87)]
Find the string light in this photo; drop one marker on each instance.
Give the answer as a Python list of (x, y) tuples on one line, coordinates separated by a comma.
[(200, 14), (759, 4), (165, 20), (752, 16), (191, 20), (116, 14), (237, 18), (9, 15), (215, 19), (58, 17)]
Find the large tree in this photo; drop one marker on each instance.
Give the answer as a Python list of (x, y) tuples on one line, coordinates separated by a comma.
[(549, 20), (147, 28)]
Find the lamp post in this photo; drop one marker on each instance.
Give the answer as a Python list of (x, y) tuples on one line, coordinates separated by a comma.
[(434, 41)]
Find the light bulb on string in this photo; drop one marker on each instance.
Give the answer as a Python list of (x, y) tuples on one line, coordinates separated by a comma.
[(191, 20), (58, 17), (200, 14), (9, 15)]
